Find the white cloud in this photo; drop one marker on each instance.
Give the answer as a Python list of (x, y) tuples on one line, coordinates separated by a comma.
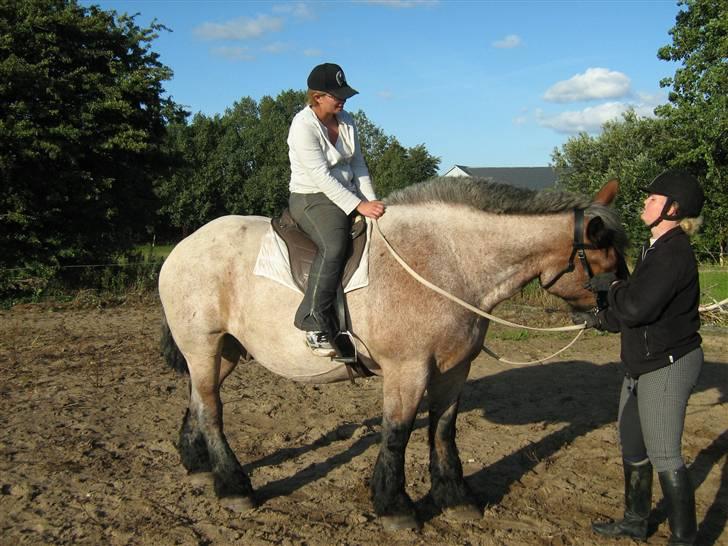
[(276, 47), (300, 10), (403, 3), (312, 52), (595, 83), (591, 119), (233, 53), (241, 28), (509, 42), (520, 120), (385, 94)]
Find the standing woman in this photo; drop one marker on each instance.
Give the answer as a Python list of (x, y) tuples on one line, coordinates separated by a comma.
[(329, 184), (656, 311)]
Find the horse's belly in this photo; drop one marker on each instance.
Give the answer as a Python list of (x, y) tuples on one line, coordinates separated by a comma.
[(323, 370)]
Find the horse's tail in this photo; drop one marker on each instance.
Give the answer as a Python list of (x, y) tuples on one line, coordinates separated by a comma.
[(170, 351)]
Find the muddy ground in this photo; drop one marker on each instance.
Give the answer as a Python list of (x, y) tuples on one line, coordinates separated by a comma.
[(89, 416)]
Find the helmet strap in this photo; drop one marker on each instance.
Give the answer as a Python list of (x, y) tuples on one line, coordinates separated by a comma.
[(663, 214)]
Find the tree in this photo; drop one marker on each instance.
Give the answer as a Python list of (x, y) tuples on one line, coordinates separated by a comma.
[(82, 127), (698, 108), (690, 132), (391, 165), (624, 150)]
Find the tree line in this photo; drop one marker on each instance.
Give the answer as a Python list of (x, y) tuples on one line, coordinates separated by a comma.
[(94, 159), (689, 132), (237, 163)]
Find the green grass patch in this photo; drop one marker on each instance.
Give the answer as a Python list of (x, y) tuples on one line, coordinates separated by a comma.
[(154, 252), (713, 284)]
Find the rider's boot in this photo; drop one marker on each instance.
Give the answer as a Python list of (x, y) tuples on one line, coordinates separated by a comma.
[(637, 503), (680, 499)]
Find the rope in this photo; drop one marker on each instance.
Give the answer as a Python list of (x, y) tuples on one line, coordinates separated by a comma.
[(465, 304), (431, 286), (492, 353)]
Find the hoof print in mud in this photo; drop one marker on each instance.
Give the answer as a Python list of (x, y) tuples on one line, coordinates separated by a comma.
[(238, 504), (397, 523), (201, 479), (465, 512)]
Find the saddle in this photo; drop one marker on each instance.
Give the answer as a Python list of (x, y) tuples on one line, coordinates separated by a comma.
[(301, 253), (302, 250)]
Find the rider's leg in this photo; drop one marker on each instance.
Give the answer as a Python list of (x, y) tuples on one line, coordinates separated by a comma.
[(329, 227)]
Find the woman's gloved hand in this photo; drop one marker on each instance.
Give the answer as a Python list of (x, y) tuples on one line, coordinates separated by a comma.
[(589, 318), (601, 282)]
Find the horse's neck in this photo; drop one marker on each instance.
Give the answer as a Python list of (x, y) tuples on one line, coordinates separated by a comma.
[(493, 254)]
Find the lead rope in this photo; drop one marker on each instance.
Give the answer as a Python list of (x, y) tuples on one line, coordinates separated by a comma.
[(428, 284)]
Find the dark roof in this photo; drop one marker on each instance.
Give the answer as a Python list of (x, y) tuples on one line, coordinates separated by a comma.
[(534, 178)]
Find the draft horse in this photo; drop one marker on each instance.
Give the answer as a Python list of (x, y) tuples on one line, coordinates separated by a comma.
[(478, 240)]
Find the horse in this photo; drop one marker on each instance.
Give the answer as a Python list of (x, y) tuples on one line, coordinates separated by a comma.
[(478, 240)]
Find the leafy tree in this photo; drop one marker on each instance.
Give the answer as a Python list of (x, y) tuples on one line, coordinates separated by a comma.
[(690, 132), (266, 191), (624, 150), (391, 165), (82, 127), (698, 108)]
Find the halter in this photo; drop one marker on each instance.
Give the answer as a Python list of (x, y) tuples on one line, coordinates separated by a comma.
[(577, 248)]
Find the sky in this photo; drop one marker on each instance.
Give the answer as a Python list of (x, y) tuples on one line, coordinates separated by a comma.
[(479, 83)]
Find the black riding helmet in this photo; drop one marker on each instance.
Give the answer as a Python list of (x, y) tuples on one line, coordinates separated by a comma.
[(681, 187)]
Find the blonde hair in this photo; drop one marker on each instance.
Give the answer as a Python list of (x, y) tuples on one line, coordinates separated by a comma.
[(311, 97), (691, 225)]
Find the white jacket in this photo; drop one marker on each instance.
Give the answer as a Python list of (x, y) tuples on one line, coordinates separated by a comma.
[(319, 166)]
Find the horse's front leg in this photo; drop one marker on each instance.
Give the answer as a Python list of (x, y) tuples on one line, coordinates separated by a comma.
[(403, 388), (204, 422), (449, 490)]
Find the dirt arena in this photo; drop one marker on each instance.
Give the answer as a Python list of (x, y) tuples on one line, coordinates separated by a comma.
[(90, 414)]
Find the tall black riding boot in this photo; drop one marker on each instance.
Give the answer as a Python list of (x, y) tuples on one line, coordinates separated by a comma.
[(637, 503), (680, 500)]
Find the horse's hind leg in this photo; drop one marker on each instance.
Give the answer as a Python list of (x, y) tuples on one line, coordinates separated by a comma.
[(402, 395), (204, 418), (191, 444), (449, 490)]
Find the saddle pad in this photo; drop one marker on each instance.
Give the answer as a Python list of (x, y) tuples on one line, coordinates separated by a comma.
[(273, 262)]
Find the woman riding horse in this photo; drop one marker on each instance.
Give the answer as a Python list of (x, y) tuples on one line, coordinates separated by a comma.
[(479, 241)]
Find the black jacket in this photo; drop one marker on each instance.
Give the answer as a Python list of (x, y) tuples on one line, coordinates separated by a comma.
[(656, 309)]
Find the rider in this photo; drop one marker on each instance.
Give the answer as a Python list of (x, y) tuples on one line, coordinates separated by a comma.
[(329, 183), (656, 311)]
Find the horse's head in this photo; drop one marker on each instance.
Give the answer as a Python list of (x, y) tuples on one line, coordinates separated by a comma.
[(597, 247)]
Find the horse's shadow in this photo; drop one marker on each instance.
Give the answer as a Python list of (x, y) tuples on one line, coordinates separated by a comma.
[(581, 394)]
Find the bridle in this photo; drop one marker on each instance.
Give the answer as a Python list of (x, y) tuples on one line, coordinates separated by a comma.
[(578, 248)]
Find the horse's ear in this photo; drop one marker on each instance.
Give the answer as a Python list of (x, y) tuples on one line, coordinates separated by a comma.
[(606, 195), (598, 233)]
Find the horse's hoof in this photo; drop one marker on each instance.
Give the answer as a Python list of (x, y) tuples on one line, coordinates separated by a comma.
[(238, 504), (201, 479), (463, 512), (396, 523)]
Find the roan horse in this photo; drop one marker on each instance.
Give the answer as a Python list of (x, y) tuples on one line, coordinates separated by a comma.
[(478, 240)]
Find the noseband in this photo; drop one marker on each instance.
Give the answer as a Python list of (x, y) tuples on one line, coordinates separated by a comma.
[(577, 248)]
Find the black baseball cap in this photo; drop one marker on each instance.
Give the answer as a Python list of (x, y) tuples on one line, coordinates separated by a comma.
[(329, 78)]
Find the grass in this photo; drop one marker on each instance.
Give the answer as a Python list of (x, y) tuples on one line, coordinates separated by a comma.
[(713, 284), (713, 287), (157, 251)]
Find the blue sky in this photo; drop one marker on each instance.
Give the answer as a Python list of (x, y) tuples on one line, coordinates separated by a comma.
[(484, 84)]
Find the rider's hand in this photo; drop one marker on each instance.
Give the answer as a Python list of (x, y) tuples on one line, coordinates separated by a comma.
[(601, 282), (371, 209), (588, 318)]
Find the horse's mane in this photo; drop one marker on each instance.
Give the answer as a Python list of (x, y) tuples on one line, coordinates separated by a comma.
[(486, 195)]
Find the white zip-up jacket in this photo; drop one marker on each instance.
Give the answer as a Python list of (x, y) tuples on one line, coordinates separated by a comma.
[(318, 166)]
